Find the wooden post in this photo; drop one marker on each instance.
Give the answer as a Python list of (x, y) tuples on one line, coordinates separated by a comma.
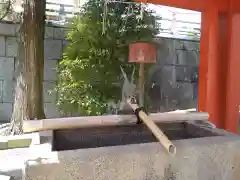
[(141, 85)]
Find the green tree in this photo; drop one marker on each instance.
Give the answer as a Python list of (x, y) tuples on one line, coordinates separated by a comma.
[(89, 74)]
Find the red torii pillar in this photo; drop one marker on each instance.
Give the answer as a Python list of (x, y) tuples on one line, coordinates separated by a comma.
[(219, 86)]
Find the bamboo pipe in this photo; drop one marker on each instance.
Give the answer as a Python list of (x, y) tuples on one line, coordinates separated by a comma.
[(163, 139), (109, 120)]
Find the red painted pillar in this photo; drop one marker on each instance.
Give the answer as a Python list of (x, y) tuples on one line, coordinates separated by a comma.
[(215, 87), (203, 67), (220, 67), (211, 89), (233, 70)]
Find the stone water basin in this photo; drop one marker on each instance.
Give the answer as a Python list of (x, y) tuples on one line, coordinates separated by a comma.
[(131, 152)]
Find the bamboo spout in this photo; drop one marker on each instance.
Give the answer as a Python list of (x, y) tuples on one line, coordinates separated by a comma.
[(163, 139)]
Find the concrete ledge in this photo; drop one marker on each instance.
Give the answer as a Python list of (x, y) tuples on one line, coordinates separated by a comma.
[(20, 141), (14, 161)]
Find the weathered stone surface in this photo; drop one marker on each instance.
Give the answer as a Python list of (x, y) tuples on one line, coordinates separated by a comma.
[(59, 33), (8, 91), (6, 68), (49, 32), (5, 111), (1, 91), (196, 159), (50, 73), (50, 110), (12, 46), (170, 78), (190, 44), (2, 46), (50, 95), (8, 29), (52, 49)]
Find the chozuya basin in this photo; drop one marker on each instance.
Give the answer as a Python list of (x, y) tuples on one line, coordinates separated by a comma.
[(130, 151)]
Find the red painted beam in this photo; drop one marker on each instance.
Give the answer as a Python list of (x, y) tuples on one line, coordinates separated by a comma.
[(196, 5), (235, 6)]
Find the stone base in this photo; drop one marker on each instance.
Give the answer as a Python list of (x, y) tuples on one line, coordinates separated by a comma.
[(206, 158)]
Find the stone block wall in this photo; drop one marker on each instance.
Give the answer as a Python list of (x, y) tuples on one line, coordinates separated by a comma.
[(168, 82), (54, 43)]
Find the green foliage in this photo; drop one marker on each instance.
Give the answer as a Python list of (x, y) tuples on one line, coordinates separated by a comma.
[(89, 74)]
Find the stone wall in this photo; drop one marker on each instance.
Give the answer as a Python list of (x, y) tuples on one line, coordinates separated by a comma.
[(168, 84), (54, 43)]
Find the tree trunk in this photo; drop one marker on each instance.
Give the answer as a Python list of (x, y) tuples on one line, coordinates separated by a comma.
[(28, 104)]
